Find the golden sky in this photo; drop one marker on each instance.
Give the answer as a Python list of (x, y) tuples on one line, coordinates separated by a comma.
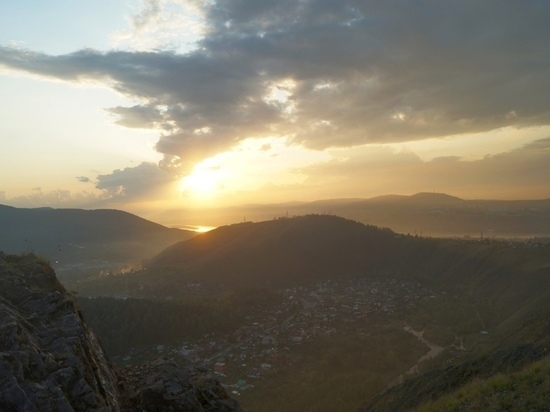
[(161, 104)]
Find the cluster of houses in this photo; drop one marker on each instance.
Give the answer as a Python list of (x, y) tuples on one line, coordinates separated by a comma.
[(268, 341)]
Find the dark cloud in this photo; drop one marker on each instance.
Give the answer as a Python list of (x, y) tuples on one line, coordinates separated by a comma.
[(142, 182), (362, 72), (134, 183)]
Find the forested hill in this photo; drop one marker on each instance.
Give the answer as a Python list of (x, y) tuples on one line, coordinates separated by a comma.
[(290, 251), (297, 250), (46, 230), (302, 248)]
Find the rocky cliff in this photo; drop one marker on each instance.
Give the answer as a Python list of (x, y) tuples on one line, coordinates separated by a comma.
[(51, 361)]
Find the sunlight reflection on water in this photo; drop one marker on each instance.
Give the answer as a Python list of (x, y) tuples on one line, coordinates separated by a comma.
[(198, 229)]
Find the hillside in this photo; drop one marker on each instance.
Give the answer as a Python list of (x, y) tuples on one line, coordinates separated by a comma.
[(309, 248), (439, 389), (83, 237), (340, 305), (294, 251), (524, 390), (280, 251)]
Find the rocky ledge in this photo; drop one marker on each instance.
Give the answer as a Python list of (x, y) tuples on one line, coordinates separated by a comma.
[(163, 386), (51, 361)]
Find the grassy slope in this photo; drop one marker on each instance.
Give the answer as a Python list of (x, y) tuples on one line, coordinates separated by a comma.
[(526, 390)]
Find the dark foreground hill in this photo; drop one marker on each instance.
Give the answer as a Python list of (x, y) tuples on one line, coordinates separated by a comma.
[(76, 236), (514, 379), (51, 361)]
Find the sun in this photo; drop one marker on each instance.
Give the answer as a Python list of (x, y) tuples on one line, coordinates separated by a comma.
[(202, 183)]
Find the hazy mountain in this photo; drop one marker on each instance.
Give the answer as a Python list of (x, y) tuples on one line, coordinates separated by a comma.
[(79, 236), (424, 199), (434, 214)]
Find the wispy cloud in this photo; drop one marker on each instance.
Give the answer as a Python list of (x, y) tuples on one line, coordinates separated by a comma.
[(163, 25), (58, 198)]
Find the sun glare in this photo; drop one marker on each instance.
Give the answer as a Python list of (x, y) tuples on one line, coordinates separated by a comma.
[(203, 182), (204, 229)]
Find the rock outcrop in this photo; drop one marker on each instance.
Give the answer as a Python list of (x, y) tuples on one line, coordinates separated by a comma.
[(51, 361), (163, 386)]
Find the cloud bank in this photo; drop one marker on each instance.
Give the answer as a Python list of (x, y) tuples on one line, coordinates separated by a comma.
[(518, 173), (324, 74)]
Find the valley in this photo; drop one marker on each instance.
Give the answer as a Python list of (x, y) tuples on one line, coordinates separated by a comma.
[(270, 343), (317, 312)]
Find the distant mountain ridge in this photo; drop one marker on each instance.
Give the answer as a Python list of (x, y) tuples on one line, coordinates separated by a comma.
[(76, 224), (422, 198), (433, 214)]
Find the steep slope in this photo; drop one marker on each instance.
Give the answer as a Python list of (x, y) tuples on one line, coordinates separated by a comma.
[(437, 384), (51, 361), (525, 390)]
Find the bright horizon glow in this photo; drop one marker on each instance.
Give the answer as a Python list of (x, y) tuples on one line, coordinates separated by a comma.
[(154, 105), (198, 229)]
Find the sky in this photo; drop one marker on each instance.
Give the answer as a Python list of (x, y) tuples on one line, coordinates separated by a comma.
[(146, 105)]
